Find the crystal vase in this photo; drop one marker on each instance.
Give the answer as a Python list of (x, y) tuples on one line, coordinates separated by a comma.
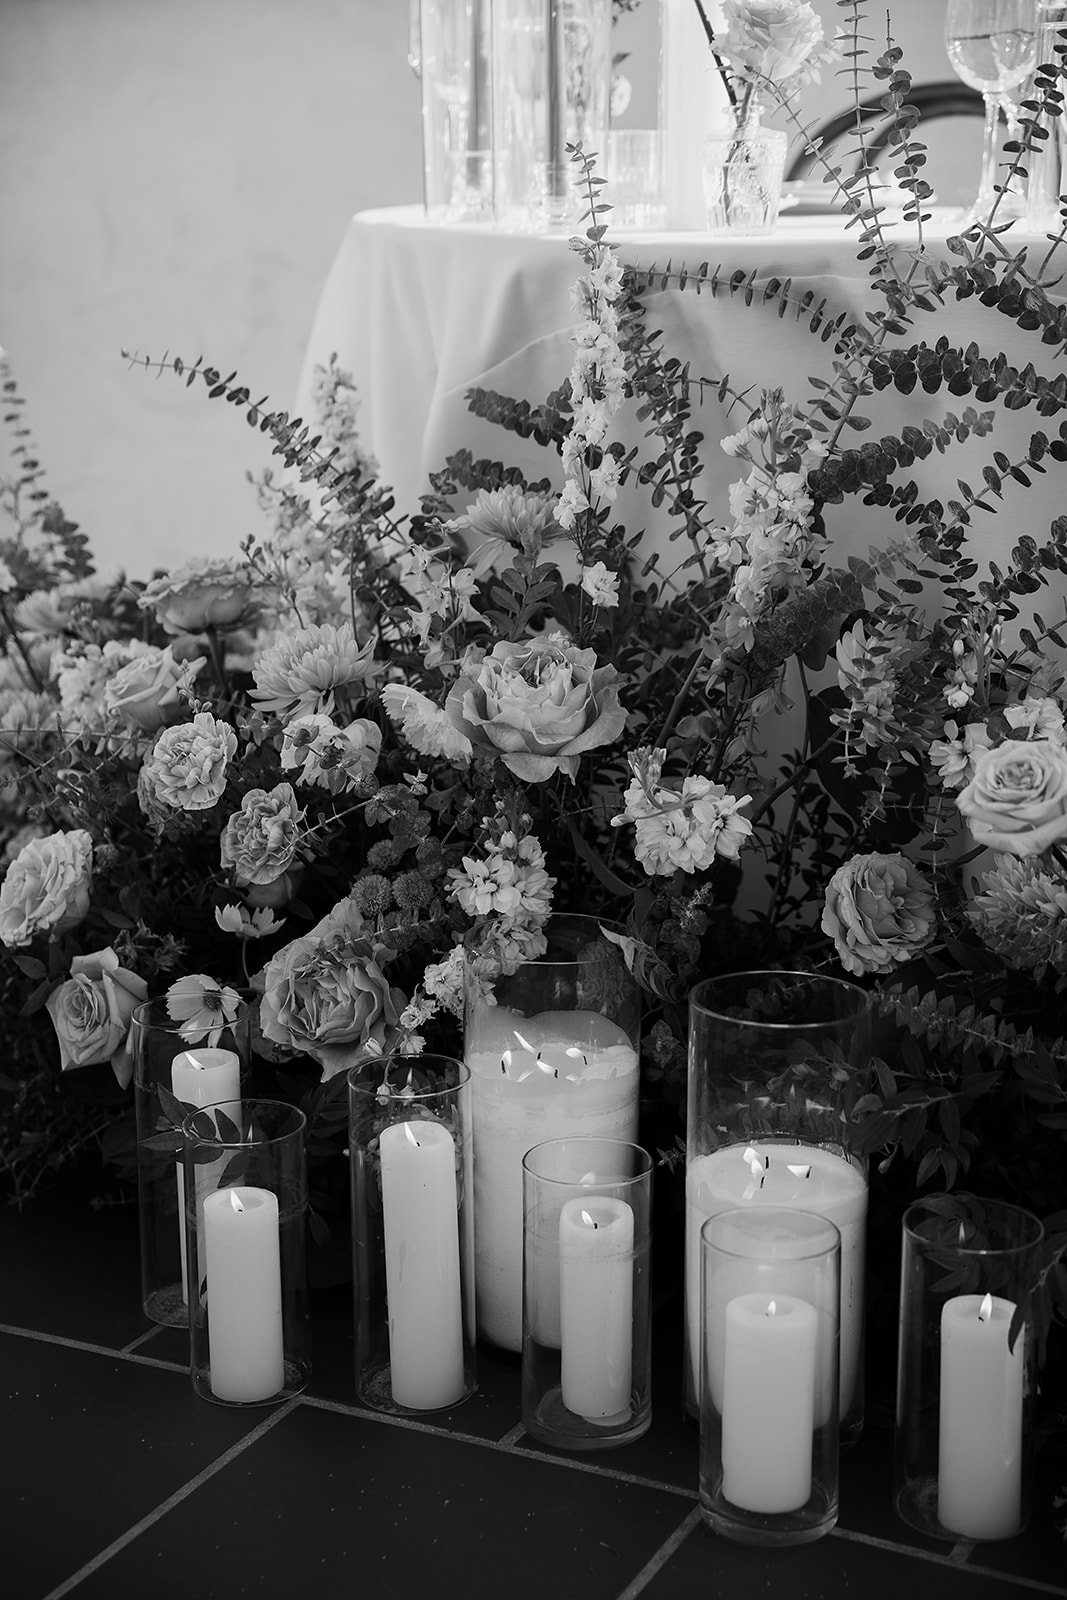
[(743, 169)]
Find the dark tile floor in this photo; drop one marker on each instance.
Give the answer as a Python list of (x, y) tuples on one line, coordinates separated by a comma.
[(116, 1482)]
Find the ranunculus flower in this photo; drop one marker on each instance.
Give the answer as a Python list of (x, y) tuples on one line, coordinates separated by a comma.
[(202, 594), (1017, 799), (47, 887), (538, 705), (186, 767), (260, 840), (325, 995), (145, 691), (879, 911), (91, 1013), (769, 38)]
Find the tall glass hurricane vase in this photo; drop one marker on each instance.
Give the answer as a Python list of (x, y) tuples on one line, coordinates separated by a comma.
[(992, 45), (451, 52), (552, 83), (553, 1053), (776, 1059)]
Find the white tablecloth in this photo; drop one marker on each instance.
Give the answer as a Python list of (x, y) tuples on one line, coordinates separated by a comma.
[(420, 313)]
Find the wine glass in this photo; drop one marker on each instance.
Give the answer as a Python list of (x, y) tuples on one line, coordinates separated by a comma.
[(992, 45)]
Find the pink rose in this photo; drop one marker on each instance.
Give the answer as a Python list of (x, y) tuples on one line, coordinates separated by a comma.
[(203, 594), (538, 705), (325, 995), (145, 691), (47, 887), (1016, 800), (91, 1013), (879, 911), (186, 767)]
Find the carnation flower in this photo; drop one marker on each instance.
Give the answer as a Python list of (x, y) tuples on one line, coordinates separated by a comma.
[(424, 725), (259, 842), (1022, 914), (203, 1008), (300, 672), (47, 888), (879, 911), (186, 767)]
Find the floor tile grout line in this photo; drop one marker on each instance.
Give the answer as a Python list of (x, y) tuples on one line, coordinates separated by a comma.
[(935, 1558), (575, 1464), (93, 1349), (142, 1338), (103, 1556), (659, 1559)]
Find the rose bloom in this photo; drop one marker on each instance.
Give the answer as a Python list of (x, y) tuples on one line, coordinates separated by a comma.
[(47, 887), (879, 911), (91, 1013), (145, 691), (769, 38), (538, 705), (1017, 799), (325, 996), (203, 594), (186, 767), (260, 840)]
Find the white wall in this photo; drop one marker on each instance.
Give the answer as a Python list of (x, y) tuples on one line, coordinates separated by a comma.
[(177, 174)]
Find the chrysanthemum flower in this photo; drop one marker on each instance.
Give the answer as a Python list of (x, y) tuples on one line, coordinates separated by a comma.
[(298, 674)]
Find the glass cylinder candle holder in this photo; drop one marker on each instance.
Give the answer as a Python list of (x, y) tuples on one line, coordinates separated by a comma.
[(586, 1328), (454, 65), (410, 1150), (776, 1059), (743, 179), (553, 1053), (552, 81), (197, 1070), (963, 1445), (246, 1206), (769, 1340)]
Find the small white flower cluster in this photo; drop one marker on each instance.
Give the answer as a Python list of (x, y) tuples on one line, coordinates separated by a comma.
[(772, 537), (507, 884), (680, 830), (598, 387)]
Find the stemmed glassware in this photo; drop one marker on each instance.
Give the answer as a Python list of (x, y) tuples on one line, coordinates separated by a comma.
[(992, 46)]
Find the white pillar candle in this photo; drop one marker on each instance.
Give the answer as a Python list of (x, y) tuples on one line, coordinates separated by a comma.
[(203, 1078), (586, 1086), (799, 1178), (596, 1262), (244, 1293), (422, 1270), (768, 1407), (981, 1423)]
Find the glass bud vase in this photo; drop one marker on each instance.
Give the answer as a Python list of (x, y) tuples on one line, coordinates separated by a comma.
[(743, 168), (453, 52), (775, 1060), (553, 1053), (552, 83)]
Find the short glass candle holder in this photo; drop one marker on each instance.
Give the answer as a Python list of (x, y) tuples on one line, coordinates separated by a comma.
[(770, 1283), (204, 1072), (963, 1447), (743, 171), (410, 1150), (553, 1050), (586, 1327), (246, 1206), (635, 176), (776, 1060)]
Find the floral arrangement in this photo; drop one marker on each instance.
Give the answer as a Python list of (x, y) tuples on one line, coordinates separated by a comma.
[(319, 774)]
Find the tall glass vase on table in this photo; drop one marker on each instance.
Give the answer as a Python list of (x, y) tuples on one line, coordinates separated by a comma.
[(776, 1059), (553, 1051), (450, 51), (552, 85)]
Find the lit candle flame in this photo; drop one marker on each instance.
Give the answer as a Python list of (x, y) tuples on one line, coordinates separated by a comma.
[(410, 1135), (524, 1043), (985, 1310), (588, 1220), (199, 1066), (772, 1309), (546, 1066), (757, 1163), (587, 1178), (235, 1200), (963, 1234), (801, 1172)]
